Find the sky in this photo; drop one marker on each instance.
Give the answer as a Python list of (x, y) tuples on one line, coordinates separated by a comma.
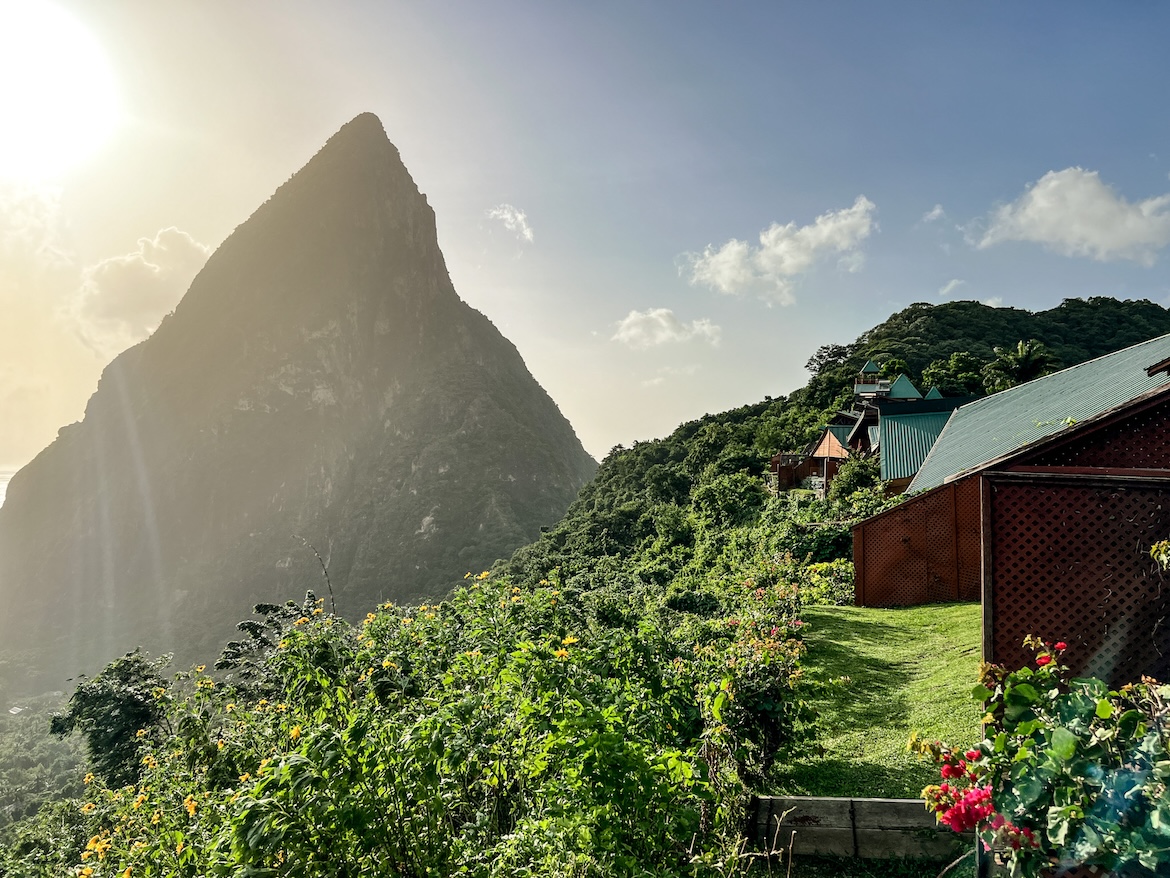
[(666, 206)]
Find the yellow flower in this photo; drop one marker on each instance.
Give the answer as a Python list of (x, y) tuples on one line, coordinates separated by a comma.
[(179, 847), (220, 744), (230, 706), (467, 575), (370, 617), (389, 664), (156, 817), (515, 589), (561, 653), (190, 804), (247, 775), (200, 669), (141, 798), (569, 640), (318, 611), (406, 620), (484, 575), (141, 733), (86, 872), (159, 692), (301, 621), (126, 874), (89, 778), (282, 707), (282, 644), (88, 808), (295, 732), (430, 615)]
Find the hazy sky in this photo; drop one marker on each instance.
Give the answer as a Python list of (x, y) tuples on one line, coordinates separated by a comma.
[(666, 206)]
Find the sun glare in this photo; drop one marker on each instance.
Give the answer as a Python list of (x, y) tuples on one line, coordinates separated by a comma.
[(59, 99)]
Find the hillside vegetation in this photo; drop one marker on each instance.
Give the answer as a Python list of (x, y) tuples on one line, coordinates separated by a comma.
[(599, 704), (671, 513)]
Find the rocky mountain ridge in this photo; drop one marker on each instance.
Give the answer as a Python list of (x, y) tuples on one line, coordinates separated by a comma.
[(321, 381)]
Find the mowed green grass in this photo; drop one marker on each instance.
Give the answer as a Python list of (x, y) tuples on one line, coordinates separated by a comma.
[(908, 669)]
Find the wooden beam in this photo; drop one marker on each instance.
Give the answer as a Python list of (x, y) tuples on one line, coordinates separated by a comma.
[(865, 828)]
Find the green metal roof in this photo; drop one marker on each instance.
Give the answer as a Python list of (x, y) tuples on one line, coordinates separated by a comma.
[(934, 393), (906, 440), (841, 431), (989, 428), (903, 389), (871, 367)]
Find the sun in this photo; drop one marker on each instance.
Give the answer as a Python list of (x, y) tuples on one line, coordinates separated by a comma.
[(59, 100)]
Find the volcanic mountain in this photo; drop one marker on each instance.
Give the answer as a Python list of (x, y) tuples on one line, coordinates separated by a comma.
[(320, 383)]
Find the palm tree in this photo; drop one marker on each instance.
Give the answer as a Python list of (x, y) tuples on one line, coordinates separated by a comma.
[(1011, 366)]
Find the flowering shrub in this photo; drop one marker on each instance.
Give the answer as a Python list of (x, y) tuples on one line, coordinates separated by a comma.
[(1070, 772), (507, 730)]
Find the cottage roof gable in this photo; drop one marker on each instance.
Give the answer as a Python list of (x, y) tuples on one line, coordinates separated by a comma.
[(996, 426)]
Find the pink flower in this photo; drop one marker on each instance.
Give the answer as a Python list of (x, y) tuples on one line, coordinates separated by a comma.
[(972, 755)]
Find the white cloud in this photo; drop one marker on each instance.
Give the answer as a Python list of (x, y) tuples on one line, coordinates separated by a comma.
[(949, 287), (994, 302), (656, 326), (514, 220), (123, 298), (785, 253), (1073, 213), (935, 213)]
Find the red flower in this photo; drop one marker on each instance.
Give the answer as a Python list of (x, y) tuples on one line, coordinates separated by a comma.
[(972, 755), (1060, 644), (1042, 660)]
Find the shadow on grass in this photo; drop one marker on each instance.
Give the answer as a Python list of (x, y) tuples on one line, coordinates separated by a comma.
[(834, 776), (876, 686)]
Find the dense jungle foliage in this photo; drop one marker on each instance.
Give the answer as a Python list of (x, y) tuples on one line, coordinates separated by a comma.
[(672, 512), (509, 730)]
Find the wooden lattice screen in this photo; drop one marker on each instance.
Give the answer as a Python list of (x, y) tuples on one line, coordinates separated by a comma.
[(925, 550), (1069, 560)]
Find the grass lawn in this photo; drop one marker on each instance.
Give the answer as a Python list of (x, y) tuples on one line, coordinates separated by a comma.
[(909, 669)]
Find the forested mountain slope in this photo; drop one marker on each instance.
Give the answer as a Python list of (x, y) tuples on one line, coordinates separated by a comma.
[(677, 510)]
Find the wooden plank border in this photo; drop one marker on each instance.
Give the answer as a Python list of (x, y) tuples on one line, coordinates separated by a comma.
[(857, 827)]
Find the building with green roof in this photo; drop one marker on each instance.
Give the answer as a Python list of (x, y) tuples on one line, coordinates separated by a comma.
[(1004, 422), (1042, 502)]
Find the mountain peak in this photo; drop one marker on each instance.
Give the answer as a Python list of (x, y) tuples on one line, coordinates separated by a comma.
[(321, 377)]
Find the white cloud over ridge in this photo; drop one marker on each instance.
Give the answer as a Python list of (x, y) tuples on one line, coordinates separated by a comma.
[(785, 253), (123, 298), (514, 220), (949, 287), (1073, 213), (658, 326)]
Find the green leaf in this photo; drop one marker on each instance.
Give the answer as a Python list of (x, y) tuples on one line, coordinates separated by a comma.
[(1064, 744), (981, 692), (1104, 708)]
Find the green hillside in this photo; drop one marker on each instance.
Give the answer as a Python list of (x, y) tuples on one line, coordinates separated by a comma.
[(678, 511)]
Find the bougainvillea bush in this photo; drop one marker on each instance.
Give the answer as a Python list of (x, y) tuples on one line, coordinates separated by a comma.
[(504, 731), (1071, 772)]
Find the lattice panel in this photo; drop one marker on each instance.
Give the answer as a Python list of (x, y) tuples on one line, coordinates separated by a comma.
[(1141, 441), (1070, 562), (925, 550), (968, 522)]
